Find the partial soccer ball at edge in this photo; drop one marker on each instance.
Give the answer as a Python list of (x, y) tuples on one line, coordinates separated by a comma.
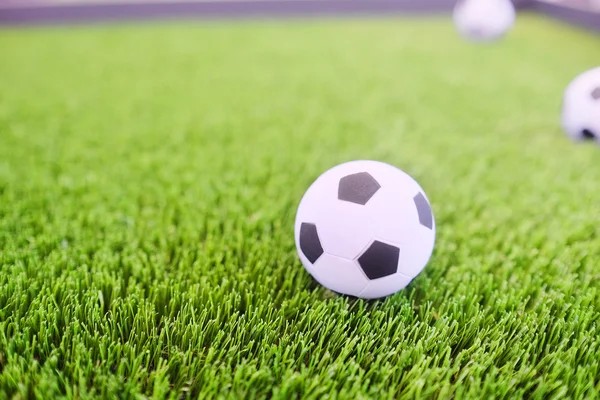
[(581, 107), (365, 229), (483, 20)]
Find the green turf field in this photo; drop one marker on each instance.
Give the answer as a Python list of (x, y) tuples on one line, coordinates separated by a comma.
[(150, 174)]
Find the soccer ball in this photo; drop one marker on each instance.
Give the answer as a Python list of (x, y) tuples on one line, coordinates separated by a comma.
[(483, 20), (581, 107), (365, 229)]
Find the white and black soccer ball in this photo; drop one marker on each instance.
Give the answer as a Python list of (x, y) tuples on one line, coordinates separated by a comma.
[(581, 107), (365, 229), (483, 20)]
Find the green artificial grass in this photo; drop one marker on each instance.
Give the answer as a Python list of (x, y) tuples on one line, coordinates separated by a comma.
[(150, 174)]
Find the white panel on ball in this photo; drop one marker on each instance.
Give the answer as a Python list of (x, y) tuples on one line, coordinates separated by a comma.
[(385, 286), (328, 270)]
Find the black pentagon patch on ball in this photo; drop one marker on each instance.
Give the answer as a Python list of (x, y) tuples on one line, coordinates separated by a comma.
[(596, 93), (310, 244), (586, 134), (424, 211), (379, 260), (357, 188)]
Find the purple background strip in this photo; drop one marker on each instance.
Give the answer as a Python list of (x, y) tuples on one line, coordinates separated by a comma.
[(583, 18), (35, 12), (212, 9)]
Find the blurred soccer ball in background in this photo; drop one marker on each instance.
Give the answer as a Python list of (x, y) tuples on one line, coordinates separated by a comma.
[(483, 20), (581, 107)]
